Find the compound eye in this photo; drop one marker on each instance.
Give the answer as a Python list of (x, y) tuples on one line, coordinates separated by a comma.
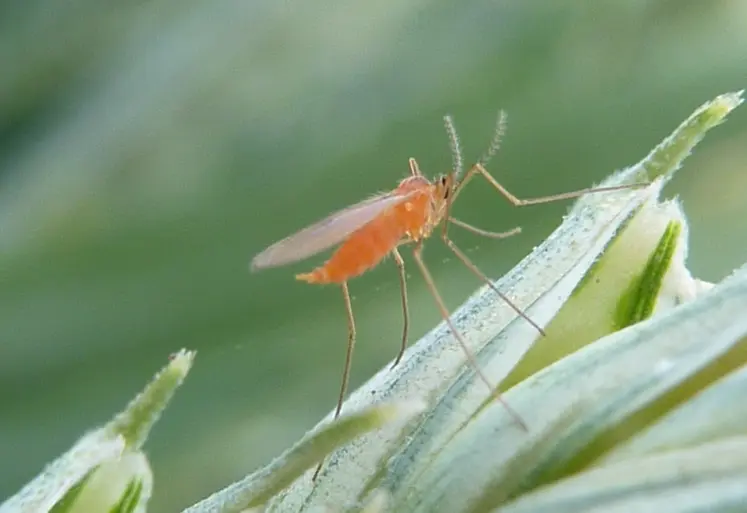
[(445, 184)]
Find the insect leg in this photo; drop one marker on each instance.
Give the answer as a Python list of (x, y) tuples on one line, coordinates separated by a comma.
[(500, 129), (477, 272), (495, 144), (351, 346), (417, 253), (519, 202), (485, 233), (348, 360), (405, 309)]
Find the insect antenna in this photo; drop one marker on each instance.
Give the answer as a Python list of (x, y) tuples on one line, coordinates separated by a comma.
[(457, 167), (495, 143), (457, 163)]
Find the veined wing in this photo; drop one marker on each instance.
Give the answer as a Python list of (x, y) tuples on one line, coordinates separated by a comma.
[(326, 233)]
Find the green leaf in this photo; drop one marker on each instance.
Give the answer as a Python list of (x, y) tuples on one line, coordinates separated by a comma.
[(611, 383), (123, 485), (136, 421), (378, 502), (65, 504), (58, 477), (716, 412), (259, 487), (130, 498), (99, 468), (666, 158), (710, 477), (637, 304)]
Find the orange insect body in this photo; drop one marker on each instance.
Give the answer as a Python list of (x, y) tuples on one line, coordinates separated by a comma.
[(365, 248)]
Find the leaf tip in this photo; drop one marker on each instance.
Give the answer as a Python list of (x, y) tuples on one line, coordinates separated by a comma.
[(135, 422)]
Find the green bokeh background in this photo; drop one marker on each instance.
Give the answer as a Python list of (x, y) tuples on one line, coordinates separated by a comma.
[(149, 149)]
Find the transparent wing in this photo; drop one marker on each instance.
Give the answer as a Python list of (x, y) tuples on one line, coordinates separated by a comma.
[(326, 233)]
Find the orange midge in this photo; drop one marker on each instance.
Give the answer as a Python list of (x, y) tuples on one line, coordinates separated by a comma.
[(371, 230)]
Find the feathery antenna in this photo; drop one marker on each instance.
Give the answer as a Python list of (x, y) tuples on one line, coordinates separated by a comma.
[(456, 149), (495, 143)]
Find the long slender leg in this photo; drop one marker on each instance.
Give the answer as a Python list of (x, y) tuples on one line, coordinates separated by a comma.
[(495, 143), (485, 233), (521, 202), (405, 309), (477, 272), (417, 253), (348, 360), (351, 346)]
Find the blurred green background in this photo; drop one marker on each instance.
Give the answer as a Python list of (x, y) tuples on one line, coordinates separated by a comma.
[(149, 149)]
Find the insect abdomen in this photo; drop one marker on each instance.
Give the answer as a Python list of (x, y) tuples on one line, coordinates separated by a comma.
[(367, 247), (362, 251)]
